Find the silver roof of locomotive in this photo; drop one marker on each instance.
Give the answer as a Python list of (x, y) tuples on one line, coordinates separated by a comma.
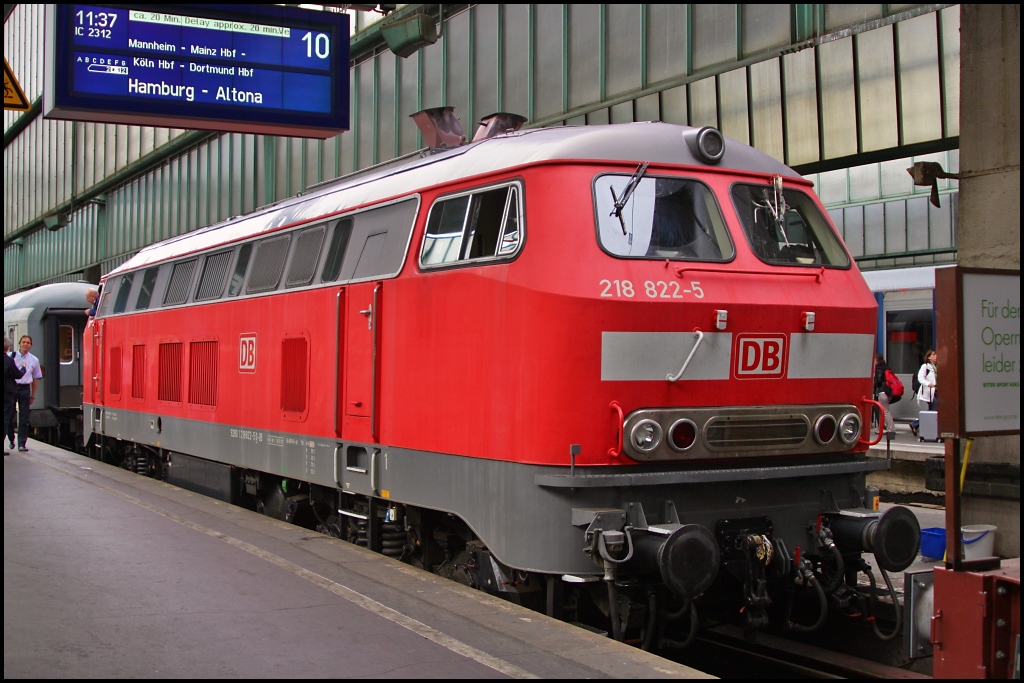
[(654, 142)]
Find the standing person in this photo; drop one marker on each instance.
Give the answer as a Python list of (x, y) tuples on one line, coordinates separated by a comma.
[(926, 375), (25, 389), (882, 394), (11, 373)]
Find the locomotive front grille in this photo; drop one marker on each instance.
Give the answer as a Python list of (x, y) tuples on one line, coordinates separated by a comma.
[(758, 431), (665, 434)]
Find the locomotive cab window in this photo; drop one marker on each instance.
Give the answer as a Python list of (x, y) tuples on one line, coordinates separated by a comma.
[(124, 288), (146, 290), (241, 266), (787, 228), (660, 218), (485, 224), (336, 250)]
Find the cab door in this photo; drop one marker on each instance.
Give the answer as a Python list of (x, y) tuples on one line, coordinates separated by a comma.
[(96, 380), (362, 330), (92, 380)]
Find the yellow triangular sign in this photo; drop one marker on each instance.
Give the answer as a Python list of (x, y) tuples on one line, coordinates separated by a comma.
[(14, 96)]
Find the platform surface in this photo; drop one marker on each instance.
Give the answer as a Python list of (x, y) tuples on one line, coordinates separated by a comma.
[(111, 575)]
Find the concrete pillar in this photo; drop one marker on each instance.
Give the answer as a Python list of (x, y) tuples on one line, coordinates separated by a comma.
[(989, 216)]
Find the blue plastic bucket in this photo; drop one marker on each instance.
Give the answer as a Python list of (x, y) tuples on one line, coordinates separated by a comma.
[(933, 543)]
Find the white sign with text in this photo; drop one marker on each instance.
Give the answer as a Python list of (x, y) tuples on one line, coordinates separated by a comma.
[(991, 352)]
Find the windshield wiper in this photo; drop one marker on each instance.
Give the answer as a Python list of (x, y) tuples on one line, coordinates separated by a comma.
[(620, 203)]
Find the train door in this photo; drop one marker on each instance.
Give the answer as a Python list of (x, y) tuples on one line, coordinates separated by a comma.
[(362, 323), (909, 332), (63, 334)]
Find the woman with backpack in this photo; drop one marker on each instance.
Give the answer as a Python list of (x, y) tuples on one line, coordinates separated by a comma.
[(884, 392), (926, 377)]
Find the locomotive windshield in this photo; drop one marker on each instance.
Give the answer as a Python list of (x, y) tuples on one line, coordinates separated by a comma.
[(662, 218), (790, 232)]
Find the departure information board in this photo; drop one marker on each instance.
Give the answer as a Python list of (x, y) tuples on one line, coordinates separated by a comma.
[(267, 69)]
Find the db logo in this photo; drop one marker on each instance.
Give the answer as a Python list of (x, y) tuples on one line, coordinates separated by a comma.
[(760, 357), (247, 353)]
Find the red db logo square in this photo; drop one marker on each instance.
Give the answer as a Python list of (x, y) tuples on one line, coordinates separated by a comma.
[(247, 353), (760, 356)]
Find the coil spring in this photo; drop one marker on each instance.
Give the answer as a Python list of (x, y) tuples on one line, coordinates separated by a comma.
[(393, 540)]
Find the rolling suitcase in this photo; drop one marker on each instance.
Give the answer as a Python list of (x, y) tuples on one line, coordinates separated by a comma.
[(929, 429)]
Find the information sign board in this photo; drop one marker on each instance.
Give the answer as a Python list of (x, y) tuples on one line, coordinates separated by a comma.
[(979, 332), (253, 68)]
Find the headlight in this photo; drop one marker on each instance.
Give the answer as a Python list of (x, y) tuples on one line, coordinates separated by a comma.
[(646, 435), (849, 428), (707, 144)]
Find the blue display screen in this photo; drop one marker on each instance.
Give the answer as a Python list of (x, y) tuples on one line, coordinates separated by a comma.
[(207, 62)]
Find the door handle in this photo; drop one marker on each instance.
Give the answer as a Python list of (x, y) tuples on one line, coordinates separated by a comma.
[(369, 316)]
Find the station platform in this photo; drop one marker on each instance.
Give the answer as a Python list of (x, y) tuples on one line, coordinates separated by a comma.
[(906, 473), (111, 575)]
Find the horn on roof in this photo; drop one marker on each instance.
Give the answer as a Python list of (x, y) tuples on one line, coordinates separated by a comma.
[(498, 124), (440, 127)]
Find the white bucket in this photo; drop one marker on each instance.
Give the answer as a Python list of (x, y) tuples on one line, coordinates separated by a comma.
[(979, 541)]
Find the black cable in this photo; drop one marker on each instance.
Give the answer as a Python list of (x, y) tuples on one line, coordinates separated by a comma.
[(840, 569), (822, 613), (690, 637), (896, 606)]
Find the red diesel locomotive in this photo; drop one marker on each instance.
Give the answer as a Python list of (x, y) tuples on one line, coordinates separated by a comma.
[(617, 371)]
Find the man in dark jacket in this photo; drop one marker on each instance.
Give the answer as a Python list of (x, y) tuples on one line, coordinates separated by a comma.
[(11, 373)]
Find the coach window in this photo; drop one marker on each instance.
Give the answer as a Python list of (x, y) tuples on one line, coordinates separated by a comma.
[(787, 228), (268, 264), (660, 218), (336, 250), (181, 278), (66, 344), (305, 257), (124, 288), (215, 272), (241, 265), (485, 224), (146, 291)]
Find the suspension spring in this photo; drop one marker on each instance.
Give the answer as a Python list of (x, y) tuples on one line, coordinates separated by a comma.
[(141, 464), (393, 540)]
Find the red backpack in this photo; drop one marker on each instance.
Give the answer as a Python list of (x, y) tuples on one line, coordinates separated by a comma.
[(895, 386)]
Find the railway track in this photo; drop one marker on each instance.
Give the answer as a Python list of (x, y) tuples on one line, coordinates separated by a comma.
[(722, 651)]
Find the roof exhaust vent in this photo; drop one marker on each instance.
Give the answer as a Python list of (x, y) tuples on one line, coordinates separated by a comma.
[(498, 124), (440, 128)]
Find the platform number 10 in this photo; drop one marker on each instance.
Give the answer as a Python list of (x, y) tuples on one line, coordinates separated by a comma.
[(247, 353), (320, 43)]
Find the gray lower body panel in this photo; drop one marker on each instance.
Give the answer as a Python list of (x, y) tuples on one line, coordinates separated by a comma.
[(522, 512)]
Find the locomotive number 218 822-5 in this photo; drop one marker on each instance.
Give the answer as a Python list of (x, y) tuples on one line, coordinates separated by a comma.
[(653, 289)]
